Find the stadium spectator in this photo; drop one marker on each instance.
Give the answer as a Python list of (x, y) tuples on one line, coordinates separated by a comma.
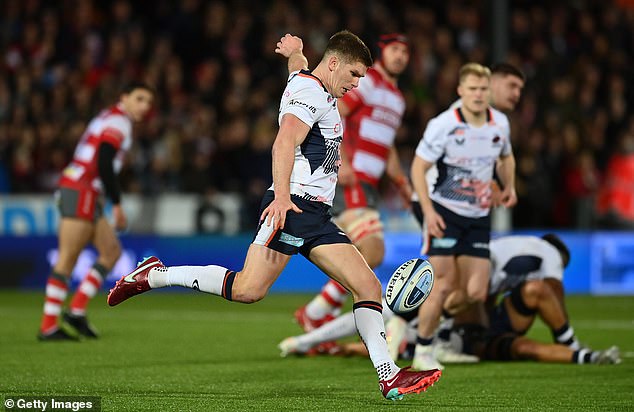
[(83, 183), (372, 114), (295, 217), (64, 52), (615, 202), (457, 205)]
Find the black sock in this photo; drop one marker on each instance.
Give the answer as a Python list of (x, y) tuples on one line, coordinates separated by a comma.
[(424, 341)]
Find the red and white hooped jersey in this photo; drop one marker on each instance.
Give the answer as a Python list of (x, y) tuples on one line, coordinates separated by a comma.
[(111, 126), (376, 111), (464, 157)]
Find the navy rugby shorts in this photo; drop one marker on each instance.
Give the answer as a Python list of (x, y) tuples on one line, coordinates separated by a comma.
[(302, 231), (463, 235)]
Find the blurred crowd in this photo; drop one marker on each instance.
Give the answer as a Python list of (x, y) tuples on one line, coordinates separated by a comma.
[(219, 83)]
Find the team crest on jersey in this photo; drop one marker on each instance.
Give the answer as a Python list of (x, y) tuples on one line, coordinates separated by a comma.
[(497, 141), (458, 130)]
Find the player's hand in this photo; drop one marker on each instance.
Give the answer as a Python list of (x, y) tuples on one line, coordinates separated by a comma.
[(288, 45), (120, 219), (508, 197), (496, 194), (275, 212), (435, 224)]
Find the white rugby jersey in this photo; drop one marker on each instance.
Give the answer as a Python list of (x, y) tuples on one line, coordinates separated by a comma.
[(464, 157), (317, 159), (515, 259)]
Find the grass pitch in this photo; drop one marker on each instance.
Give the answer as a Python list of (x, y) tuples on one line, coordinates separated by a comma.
[(194, 352)]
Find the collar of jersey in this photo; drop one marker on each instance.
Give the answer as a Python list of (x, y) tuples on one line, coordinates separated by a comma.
[(310, 74)]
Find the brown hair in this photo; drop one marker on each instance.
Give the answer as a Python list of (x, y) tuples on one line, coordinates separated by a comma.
[(507, 69), (349, 47)]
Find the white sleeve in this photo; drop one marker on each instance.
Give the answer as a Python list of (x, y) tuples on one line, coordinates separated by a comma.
[(552, 266), (506, 130), (432, 146), (302, 103)]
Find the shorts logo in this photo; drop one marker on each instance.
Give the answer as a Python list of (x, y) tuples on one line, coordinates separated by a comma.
[(480, 245), (444, 243), (291, 240)]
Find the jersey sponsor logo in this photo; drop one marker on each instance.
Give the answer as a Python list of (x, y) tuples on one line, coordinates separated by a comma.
[(295, 102), (443, 243), (291, 240)]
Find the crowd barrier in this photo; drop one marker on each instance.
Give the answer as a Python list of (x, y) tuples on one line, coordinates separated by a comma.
[(602, 262)]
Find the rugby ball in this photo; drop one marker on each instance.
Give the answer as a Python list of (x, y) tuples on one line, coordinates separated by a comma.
[(409, 285)]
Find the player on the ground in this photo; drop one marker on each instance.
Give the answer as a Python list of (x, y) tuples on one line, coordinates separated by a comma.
[(462, 145), (93, 170), (528, 276), (372, 114), (295, 216), (528, 272)]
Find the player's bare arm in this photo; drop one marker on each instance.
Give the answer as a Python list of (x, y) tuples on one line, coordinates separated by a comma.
[(291, 134), (506, 171), (291, 47), (398, 177), (435, 223)]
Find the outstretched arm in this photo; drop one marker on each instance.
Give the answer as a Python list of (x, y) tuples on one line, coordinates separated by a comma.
[(291, 47)]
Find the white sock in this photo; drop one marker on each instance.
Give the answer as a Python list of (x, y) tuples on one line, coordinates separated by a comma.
[(204, 278), (341, 327), (371, 328), (331, 297)]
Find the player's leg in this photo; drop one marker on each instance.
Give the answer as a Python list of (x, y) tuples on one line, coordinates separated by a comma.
[(73, 235), (342, 326), (430, 311), (261, 268), (364, 228), (525, 348), (344, 263), (536, 297), (109, 250), (474, 270), (266, 258)]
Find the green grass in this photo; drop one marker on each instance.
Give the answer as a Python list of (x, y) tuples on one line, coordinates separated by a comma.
[(190, 351)]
